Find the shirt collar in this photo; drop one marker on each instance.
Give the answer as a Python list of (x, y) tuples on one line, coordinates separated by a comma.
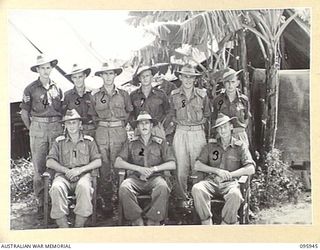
[(68, 138), (182, 92), (39, 83), (115, 90), (231, 144), (74, 91)]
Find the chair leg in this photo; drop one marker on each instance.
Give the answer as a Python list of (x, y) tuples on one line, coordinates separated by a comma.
[(94, 202), (46, 201)]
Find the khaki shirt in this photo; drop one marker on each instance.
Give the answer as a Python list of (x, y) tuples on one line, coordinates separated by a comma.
[(74, 155), (239, 108), (111, 108), (194, 111), (42, 102), (156, 104), (236, 155), (156, 152), (72, 100)]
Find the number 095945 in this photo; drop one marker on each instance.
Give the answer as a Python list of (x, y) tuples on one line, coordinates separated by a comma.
[(308, 246)]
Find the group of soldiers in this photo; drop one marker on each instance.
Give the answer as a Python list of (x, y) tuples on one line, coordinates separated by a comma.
[(78, 131)]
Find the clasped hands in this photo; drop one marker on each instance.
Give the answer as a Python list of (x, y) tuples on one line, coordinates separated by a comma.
[(147, 172), (73, 174), (223, 175)]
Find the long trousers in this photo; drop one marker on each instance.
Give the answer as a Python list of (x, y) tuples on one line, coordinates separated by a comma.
[(131, 187), (203, 191), (110, 142), (42, 136), (59, 193), (187, 147)]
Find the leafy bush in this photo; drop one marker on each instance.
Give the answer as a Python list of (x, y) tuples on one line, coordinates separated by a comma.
[(21, 178), (273, 183)]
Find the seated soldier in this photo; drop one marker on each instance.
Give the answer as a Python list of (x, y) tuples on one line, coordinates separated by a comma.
[(224, 161), (72, 156), (146, 157)]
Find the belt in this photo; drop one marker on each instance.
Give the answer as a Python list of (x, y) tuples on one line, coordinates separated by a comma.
[(238, 130), (111, 124), (46, 119), (191, 127)]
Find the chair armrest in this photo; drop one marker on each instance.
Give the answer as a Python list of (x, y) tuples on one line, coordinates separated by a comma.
[(95, 172), (122, 175), (193, 179), (244, 182), (243, 179)]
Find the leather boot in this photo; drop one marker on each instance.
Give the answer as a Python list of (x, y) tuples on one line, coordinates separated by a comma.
[(62, 222), (80, 221)]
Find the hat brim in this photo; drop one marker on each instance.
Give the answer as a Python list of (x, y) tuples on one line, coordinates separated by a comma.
[(153, 69), (118, 71), (53, 63), (135, 122), (177, 73), (224, 122), (87, 72), (71, 119), (231, 75)]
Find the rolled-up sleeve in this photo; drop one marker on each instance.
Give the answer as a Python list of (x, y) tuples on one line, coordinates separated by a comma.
[(204, 155), (54, 152), (124, 153), (94, 152), (168, 154), (26, 100), (246, 157)]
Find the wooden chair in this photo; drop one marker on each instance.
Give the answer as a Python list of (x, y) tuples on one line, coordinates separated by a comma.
[(218, 202), (143, 199), (48, 177)]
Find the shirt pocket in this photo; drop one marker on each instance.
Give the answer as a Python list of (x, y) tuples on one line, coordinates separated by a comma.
[(118, 108), (196, 111), (180, 105), (83, 156), (138, 154), (155, 157), (233, 163)]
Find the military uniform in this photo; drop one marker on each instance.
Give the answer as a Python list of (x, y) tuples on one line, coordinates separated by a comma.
[(44, 107), (72, 100), (235, 156), (190, 117), (156, 152), (111, 114), (239, 108), (71, 155), (156, 104)]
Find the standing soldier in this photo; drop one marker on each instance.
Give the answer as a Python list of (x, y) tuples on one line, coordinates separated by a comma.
[(149, 99), (41, 113), (233, 104), (190, 111), (110, 109), (79, 98)]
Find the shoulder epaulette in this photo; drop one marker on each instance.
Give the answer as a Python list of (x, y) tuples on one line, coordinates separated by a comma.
[(60, 138), (157, 139), (238, 142), (175, 91), (88, 137), (244, 97)]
